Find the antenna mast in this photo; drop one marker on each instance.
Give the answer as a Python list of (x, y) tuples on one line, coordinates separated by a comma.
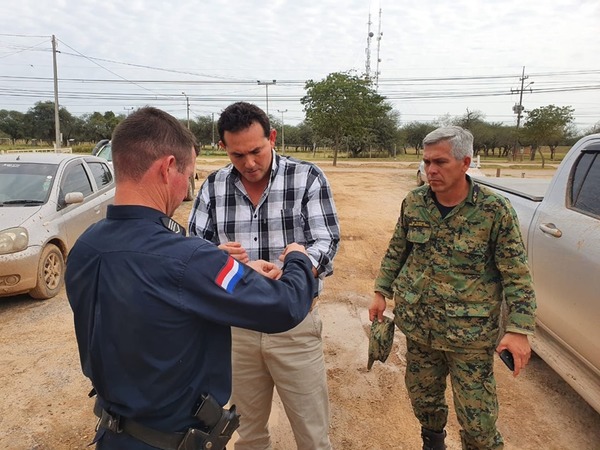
[(379, 36), (368, 50)]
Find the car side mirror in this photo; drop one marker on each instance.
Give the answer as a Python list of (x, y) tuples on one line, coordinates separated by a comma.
[(73, 197)]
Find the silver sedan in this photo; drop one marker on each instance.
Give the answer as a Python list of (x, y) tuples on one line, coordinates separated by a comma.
[(46, 202)]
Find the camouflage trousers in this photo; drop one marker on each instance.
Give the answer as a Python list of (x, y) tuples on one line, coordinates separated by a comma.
[(473, 389)]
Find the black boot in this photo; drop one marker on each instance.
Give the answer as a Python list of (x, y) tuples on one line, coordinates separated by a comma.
[(433, 440)]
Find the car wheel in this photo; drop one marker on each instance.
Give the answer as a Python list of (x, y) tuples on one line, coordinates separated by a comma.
[(51, 271), (190, 190), (420, 181)]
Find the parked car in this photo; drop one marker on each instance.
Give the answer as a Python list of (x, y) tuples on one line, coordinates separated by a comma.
[(560, 224), (99, 145), (473, 171), (106, 153), (46, 202)]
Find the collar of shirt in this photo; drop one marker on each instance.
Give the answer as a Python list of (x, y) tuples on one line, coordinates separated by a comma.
[(235, 177), (126, 212), (132, 212)]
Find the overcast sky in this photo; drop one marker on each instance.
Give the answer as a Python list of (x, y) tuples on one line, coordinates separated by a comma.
[(437, 57)]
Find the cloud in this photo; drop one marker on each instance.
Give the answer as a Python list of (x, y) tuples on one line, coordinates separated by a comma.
[(291, 40)]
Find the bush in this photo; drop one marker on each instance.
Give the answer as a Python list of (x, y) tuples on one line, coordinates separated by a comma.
[(82, 148)]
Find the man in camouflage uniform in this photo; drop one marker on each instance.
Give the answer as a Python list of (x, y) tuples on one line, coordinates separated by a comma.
[(455, 254)]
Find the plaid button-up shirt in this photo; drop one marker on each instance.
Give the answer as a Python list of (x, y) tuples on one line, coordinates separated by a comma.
[(297, 206)]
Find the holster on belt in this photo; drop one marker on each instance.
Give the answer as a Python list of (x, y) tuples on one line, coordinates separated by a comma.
[(219, 425), (220, 422)]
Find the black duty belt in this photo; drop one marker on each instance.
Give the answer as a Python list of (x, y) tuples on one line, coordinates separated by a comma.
[(219, 424), (155, 438)]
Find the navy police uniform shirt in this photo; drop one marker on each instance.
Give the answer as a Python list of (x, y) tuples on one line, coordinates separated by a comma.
[(153, 311)]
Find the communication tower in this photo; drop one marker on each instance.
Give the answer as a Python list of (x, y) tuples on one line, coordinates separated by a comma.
[(368, 49), (370, 36), (379, 36)]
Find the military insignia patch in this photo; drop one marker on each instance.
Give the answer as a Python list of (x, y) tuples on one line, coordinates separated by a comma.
[(418, 224), (172, 225)]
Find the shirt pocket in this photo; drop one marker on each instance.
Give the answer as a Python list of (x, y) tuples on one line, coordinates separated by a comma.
[(292, 226), (469, 255), (472, 325), (418, 235), (405, 310)]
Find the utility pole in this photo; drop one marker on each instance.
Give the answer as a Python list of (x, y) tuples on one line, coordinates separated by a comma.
[(266, 84), (128, 109), (212, 144), (56, 108), (518, 108), (282, 131), (187, 107)]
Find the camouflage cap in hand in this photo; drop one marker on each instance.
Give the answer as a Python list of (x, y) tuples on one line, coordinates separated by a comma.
[(380, 341)]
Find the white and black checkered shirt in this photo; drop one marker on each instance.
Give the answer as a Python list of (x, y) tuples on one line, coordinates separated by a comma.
[(297, 206)]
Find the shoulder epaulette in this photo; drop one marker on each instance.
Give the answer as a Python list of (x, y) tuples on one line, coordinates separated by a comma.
[(172, 225)]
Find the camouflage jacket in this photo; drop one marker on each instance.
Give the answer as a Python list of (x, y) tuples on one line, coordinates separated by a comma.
[(448, 276)]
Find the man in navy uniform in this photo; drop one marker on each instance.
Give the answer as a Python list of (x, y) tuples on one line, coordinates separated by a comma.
[(153, 309)]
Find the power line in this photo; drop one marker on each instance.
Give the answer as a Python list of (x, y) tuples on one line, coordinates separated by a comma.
[(100, 65), (142, 66), (23, 49)]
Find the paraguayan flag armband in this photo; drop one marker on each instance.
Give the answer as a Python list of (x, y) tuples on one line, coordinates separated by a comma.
[(230, 274)]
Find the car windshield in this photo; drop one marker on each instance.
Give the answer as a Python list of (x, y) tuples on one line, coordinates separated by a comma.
[(24, 184), (106, 152)]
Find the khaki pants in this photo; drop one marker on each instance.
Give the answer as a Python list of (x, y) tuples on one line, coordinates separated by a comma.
[(293, 363)]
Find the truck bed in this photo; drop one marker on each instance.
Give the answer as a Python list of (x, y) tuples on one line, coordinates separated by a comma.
[(532, 189)]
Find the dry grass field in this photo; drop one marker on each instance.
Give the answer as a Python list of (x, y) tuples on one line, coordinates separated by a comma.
[(44, 403)]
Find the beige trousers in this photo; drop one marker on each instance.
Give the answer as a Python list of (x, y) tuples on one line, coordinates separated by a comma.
[(293, 363)]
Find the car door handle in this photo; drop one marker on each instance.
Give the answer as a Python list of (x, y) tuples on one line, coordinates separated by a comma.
[(550, 228)]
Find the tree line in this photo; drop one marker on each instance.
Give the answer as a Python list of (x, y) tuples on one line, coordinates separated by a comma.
[(343, 112)]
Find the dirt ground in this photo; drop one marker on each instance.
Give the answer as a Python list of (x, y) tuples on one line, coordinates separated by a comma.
[(43, 395)]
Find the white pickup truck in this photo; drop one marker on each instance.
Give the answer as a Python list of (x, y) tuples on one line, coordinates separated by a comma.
[(560, 223)]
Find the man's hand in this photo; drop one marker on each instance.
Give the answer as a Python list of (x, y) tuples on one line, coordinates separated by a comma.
[(518, 345), (266, 268), (236, 250), (293, 247), (377, 307)]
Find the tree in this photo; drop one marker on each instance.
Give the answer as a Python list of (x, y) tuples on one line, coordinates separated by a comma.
[(202, 127), (386, 134), (474, 121), (12, 124), (39, 122), (343, 106), (547, 125), (308, 140), (100, 126), (72, 128), (414, 132), (292, 137), (593, 129), (470, 119)]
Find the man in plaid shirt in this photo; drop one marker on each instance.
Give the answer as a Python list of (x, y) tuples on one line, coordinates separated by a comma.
[(253, 208)]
